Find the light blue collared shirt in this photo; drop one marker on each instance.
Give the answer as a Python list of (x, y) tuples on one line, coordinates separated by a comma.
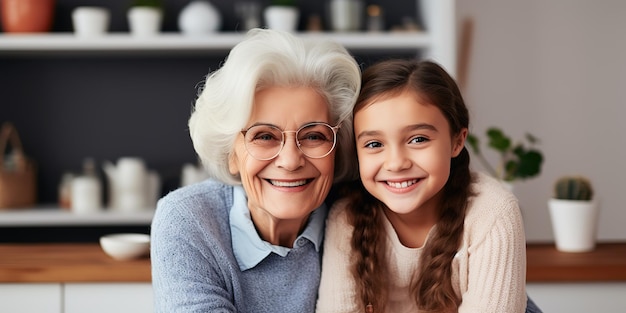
[(250, 249)]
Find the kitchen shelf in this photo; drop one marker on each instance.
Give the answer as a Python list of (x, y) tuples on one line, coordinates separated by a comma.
[(606, 263), (177, 42), (56, 217)]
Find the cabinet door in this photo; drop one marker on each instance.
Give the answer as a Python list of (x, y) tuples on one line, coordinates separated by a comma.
[(108, 297), (30, 298), (579, 297)]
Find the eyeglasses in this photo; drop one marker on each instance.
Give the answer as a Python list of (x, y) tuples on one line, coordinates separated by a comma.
[(315, 140)]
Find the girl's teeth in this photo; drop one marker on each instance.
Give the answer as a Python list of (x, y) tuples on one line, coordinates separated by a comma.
[(403, 184), (288, 184)]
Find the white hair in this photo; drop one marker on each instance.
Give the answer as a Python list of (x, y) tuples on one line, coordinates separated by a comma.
[(273, 58)]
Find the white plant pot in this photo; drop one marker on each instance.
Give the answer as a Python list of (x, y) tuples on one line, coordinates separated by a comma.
[(574, 224), (144, 21), (90, 21), (282, 18)]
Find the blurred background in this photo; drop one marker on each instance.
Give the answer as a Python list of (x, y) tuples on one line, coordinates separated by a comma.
[(553, 68)]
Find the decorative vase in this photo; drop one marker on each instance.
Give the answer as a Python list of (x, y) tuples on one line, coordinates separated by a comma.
[(199, 17), (27, 16), (345, 15), (283, 18), (144, 21), (574, 224)]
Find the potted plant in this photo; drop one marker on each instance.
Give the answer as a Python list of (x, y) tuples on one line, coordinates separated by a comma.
[(574, 214), (282, 15), (27, 16), (518, 161), (145, 17)]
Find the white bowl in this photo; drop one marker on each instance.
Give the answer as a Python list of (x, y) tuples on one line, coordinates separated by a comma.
[(125, 246)]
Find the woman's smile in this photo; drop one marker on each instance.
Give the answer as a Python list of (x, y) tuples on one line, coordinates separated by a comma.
[(290, 183)]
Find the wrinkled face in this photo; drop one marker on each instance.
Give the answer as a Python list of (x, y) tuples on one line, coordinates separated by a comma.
[(291, 185), (405, 149)]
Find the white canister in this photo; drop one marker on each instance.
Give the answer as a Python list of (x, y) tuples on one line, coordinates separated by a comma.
[(132, 173), (90, 21), (199, 17), (86, 195), (345, 15)]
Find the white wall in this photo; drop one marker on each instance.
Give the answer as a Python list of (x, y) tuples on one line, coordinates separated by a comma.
[(556, 69)]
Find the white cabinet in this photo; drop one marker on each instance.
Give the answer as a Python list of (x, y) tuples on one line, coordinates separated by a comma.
[(76, 298), (108, 297), (579, 297), (31, 298)]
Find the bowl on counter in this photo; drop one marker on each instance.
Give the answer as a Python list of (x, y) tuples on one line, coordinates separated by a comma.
[(126, 246)]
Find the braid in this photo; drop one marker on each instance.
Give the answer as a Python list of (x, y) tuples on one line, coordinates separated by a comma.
[(433, 288), (368, 248)]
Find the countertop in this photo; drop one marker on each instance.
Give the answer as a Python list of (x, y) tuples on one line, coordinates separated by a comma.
[(86, 262), (606, 263), (83, 262)]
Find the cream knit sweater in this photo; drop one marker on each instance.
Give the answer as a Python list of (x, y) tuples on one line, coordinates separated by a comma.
[(489, 270)]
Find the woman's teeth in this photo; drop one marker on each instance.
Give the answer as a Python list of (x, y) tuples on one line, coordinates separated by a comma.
[(288, 183), (403, 184)]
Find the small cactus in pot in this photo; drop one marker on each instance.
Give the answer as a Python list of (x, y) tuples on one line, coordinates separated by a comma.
[(573, 188), (574, 214)]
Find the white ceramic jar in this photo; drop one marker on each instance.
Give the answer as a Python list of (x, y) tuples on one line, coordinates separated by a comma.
[(345, 15), (199, 17), (86, 195)]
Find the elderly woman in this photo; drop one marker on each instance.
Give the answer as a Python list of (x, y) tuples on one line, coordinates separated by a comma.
[(273, 128)]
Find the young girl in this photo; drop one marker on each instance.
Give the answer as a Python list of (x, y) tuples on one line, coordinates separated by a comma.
[(422, 232)]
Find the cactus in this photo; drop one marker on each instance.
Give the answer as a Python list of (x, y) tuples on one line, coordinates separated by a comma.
[(573, 188)]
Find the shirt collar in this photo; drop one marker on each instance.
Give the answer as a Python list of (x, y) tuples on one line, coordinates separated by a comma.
[(249, 248)]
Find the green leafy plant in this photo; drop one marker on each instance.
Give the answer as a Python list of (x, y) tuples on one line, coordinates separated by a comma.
[(147, 3), (518, 161), (573, 188), (284, 3)]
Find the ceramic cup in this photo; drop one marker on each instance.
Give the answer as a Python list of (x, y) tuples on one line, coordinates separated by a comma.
[(90, 21)]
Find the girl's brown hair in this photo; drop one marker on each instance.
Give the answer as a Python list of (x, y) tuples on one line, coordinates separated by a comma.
[(432, 284)]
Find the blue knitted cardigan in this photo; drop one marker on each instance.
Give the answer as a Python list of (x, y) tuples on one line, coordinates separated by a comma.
[(194, 268)]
